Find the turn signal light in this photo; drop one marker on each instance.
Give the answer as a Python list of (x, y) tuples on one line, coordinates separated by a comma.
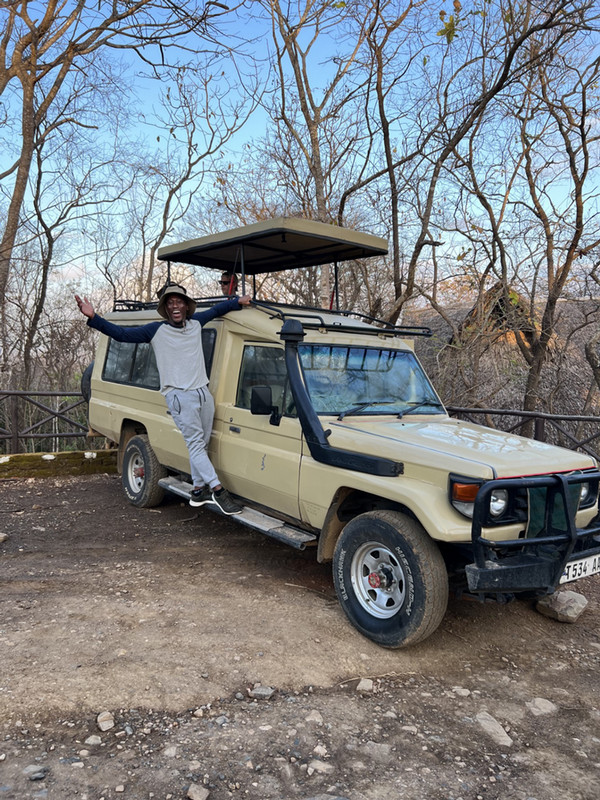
[(465, 492)]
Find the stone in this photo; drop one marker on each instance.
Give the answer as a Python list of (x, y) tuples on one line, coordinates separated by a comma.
[(460, 692), (314, 716), (364, 685), (539, 706), (377, 751), (93, 740), (564, 606), (3, 537), (322, 767), (327, 797), (493, 729), (35, 772), (259, 692), (105, 721), (196, 792)]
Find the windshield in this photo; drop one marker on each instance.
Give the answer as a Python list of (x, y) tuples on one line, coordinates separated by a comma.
[(366, 380)]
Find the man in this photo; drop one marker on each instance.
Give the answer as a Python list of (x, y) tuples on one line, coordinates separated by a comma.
[(177, 345), (228, 283)]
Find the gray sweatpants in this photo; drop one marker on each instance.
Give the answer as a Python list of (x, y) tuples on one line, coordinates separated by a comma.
[(193, 412)]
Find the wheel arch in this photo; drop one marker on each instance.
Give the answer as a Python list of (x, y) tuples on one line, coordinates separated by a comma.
[(348, 503), (129, 429)]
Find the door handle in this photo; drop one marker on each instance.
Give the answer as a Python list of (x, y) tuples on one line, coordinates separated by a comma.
[(235, 429)]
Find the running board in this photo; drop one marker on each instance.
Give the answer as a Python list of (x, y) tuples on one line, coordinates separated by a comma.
[(270, 526)]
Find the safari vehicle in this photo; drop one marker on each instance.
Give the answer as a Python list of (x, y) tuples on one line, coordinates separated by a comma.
[(330, 434)]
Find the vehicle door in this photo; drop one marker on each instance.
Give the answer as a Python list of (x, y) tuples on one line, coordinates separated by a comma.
[(259, 454)]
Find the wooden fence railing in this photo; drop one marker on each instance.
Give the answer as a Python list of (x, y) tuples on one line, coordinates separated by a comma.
[(27, 424), (34, 421)]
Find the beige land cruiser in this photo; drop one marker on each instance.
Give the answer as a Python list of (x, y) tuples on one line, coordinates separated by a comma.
[(332, 437)]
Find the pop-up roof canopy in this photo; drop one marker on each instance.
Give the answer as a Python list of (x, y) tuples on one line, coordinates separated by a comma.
[(275, 244)]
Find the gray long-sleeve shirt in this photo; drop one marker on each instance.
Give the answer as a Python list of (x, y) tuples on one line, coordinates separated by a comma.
[(178, 351)]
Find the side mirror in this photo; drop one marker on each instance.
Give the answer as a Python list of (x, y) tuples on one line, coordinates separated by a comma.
[(261, 402)]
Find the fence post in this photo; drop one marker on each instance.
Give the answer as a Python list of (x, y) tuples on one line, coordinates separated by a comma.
[(540, 429), (14, 423)]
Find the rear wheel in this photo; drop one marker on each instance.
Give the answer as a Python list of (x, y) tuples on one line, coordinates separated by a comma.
[(141, 473), (390, 578)]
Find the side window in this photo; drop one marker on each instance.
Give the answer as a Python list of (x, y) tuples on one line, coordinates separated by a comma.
[(145, 371), (265, 366), (127, 362)]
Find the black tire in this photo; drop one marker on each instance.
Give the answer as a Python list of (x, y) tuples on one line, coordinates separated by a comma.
[(86, 382), (390, 578), (141, 473)]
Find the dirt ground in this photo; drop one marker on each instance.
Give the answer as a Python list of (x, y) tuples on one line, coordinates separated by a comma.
[(171, 619)]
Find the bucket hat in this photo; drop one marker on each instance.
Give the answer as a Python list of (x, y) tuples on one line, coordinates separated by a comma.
[(174, 289)]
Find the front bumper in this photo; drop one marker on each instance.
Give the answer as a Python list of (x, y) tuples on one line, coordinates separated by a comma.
[(537, 562)]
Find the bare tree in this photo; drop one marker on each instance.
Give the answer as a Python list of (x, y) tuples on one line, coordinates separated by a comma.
[(570, 230), (520, 222), (315, 119), (592, 345), (449, 87), (45, 45)]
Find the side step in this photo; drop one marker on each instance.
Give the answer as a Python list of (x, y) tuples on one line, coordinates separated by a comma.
[(270, 526)]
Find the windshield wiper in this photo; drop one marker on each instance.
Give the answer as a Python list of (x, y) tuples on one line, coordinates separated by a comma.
[(420, 404), (361, 406)]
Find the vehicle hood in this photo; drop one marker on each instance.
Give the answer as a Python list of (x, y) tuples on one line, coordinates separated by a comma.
[(454, 445)]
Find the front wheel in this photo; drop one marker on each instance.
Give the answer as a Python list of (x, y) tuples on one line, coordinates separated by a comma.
[(390, 578), (141, 473)]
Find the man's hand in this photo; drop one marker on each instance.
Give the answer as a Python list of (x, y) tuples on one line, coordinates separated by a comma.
[(86, 308), (244, 300)]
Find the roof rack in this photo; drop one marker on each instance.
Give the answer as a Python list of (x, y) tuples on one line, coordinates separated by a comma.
[(315, 318)]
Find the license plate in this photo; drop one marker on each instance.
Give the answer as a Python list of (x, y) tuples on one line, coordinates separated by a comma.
[(581, 568)]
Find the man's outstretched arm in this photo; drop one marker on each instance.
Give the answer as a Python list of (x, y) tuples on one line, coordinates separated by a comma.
[(140, 333)]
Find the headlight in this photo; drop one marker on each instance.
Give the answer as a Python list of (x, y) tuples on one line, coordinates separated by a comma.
[(588, 494), (498, 502), (463, 492)]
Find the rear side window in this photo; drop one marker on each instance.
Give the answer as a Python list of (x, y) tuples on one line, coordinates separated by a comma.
[(134, 364)]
